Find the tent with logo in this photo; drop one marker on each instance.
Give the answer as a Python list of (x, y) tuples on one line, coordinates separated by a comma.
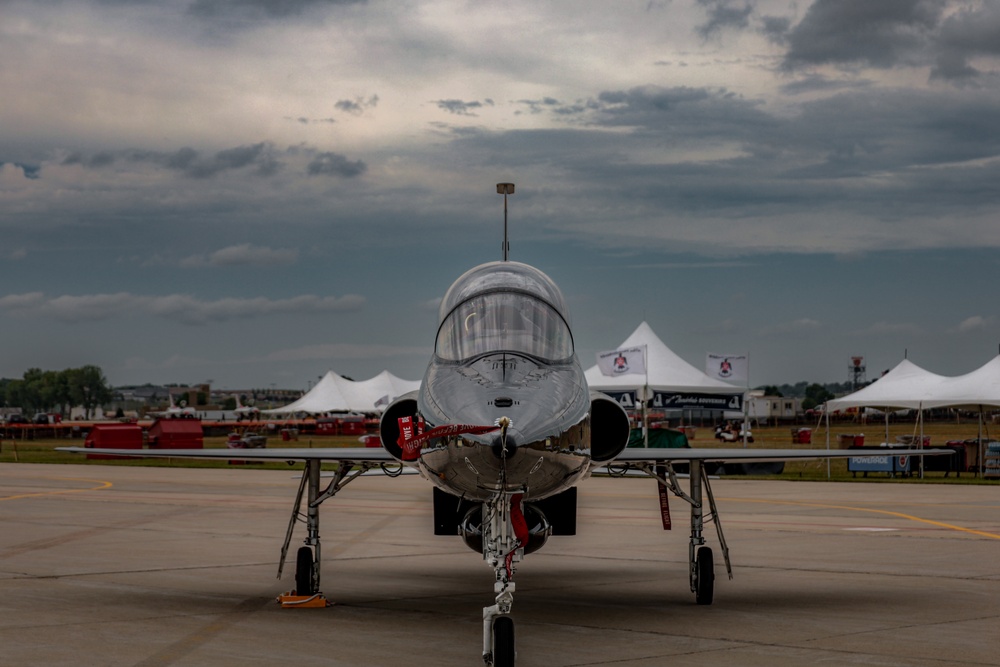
[(673, 383), (335, 393)]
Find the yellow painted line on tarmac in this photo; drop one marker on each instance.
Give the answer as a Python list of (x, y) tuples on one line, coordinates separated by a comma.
[(901, 515), (102, 485)]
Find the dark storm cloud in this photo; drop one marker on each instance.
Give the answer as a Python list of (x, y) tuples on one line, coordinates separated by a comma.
[(31, 171), (966, 34), (724, 15), (889, 155), (462, 108), (334, 164), (261, 8), (232, 158), (304, 120), (193, 164), (262, 159), (683, 112), (358, 105), (555, 106), (814, 83), (188, 160), (101, 159), (880, 34), (775, 28)]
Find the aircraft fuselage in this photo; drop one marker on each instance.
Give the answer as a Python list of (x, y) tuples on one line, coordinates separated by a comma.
[(547, 447)]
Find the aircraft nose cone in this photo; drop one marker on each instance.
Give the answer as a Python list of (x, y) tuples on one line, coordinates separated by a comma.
[(504, 447)]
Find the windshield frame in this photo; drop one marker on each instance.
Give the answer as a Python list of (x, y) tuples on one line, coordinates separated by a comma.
[(559, 339)]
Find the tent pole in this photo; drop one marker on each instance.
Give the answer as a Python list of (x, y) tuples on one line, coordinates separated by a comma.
[(920, 416), (826, 412), (886, 408), (746, 423), (979, 448), (645, 398)]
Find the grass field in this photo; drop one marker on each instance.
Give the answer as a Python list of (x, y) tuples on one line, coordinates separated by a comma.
[(43, 451)]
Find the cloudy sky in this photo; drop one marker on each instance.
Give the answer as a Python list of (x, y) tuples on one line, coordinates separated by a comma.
[(257, 191)]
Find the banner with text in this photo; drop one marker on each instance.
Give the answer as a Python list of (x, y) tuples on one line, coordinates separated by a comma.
[(689, 400)]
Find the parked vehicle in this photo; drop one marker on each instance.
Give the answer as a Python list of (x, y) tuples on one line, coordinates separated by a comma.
[(729, 432)]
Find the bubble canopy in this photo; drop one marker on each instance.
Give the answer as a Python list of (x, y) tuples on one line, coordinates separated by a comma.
[(504, 306)]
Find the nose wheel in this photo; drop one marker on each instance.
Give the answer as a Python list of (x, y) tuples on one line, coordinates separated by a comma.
[(503, 641)]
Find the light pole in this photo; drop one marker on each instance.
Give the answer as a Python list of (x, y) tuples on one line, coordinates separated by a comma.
[(505, 189)]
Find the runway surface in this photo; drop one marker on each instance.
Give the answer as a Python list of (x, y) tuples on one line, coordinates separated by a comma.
[(157, 567)]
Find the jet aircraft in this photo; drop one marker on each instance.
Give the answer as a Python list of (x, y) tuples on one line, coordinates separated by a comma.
[(174, 411), (245, 411), (504, 427)]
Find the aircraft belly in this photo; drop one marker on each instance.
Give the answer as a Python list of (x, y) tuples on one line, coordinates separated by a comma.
[(472, 470)]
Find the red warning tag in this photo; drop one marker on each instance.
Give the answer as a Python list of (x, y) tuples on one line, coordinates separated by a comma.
[(412, 435), (661, 472)]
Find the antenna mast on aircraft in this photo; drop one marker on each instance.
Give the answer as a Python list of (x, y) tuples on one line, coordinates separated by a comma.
[(505, 189)]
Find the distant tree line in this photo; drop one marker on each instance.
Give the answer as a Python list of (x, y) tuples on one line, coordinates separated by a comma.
[(812, 394), (57, 391)]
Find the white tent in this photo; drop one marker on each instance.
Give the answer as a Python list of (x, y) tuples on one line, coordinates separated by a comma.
[(665, 372), (909, 386), (335, 393), (905, 386), (979, 388)]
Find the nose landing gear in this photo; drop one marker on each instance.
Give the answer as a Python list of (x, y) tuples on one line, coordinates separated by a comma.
[(504, 535)]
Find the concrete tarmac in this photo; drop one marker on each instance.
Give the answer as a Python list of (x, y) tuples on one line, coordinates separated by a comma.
[(158, 567)]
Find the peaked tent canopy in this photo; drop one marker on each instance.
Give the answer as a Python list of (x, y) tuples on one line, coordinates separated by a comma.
[(910, 386), (335, 393), (666, 371), (906, 385), (976, 389)]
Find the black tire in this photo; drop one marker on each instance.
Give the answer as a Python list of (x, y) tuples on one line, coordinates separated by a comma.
[(704, 569), (503, 642), (304, 571)]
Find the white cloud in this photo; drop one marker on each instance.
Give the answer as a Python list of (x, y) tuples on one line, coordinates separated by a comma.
[(974, 323), (181, 308), (22, 302), (243, 254)]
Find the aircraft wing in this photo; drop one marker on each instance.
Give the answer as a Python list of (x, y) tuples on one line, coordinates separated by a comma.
[(355, 454), (748, 455)]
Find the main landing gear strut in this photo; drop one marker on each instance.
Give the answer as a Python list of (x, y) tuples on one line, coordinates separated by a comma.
[(307, 558), (701, 566)]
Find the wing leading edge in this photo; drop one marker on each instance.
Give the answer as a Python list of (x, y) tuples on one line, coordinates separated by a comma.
[(356, 454), (637, 455), (634, 455)]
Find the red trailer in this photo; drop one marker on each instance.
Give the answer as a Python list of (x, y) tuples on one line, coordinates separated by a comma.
[(176, 434), (114, 436)]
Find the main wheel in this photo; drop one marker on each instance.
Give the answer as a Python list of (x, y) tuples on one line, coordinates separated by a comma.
[(304, 571), (704, 573), (503, 642)]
